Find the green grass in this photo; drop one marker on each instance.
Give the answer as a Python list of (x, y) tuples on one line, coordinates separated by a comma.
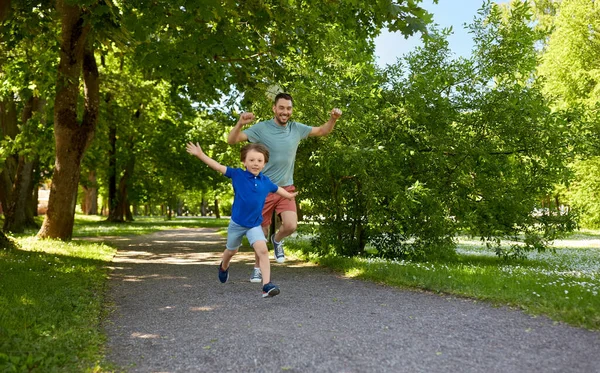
[(51, 302), (52, 296), (564, 286), (93, 226), (52, 292), (96, 226)]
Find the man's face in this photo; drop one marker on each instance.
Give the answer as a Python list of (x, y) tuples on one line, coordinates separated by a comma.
[(283, 111), (254, 162)]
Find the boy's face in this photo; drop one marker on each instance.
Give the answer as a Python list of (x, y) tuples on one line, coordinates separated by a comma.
[(283, 111), (254, 162)]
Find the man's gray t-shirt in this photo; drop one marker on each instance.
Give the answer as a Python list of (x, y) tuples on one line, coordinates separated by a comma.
[(282, 142)]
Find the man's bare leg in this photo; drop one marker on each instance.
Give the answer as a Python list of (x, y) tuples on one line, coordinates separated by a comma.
[(289, 223)]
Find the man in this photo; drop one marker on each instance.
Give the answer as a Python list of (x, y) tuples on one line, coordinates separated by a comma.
[(281, 136)]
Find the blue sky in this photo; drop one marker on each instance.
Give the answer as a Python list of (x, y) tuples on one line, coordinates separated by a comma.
[(455, 13)]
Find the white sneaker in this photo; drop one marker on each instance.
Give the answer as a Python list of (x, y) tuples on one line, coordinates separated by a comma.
[(256, 275), (278, 250)]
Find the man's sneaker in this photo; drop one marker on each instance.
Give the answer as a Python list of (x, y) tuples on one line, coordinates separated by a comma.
[(278, 250), (256, 275), (270, 290), (223, 274)]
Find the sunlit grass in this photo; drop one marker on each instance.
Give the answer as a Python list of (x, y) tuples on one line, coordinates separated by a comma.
[(93, 226), (563, 285), (51, 302)]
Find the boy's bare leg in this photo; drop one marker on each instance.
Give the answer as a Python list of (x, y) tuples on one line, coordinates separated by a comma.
[(262, 254), (227, 255)]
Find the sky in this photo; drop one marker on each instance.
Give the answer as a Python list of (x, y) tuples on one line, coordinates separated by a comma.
[(455, 13)]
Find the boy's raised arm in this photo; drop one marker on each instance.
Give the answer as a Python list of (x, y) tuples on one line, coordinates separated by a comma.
[(285, 194), (195, 149)]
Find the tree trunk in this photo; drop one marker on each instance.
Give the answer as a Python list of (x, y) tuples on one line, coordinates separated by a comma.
[(32, 205), (4, 9), (71, 137), (217, 212), (299, 211), (89, 205), (114, 214), (203, 206), (17, 208), (10, 129), (15, 218), (123, 200)]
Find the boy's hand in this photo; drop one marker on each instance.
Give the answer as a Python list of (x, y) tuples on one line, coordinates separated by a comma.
[(336, 113), (245, 118), (194, 149), (292, 195)]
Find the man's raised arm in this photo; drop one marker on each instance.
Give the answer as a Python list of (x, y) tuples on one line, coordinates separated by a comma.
[(326, 128), (236, 135)]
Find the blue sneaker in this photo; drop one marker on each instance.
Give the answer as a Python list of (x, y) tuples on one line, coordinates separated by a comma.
[(223, 274), (270, 290), (278, 250)]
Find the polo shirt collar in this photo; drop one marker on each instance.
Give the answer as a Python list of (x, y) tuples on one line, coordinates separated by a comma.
[(250, 175)]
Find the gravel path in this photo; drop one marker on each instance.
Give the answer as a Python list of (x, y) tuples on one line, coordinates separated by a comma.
[(171, 314)]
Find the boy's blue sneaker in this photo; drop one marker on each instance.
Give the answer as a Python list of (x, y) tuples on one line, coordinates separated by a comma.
[(278, 250), (223, 274), (270, 290)]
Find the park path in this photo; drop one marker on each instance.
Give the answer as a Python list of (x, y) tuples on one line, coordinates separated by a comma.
[(169, 313)]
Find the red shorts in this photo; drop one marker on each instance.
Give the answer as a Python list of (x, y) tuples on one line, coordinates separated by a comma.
[(276, 202)]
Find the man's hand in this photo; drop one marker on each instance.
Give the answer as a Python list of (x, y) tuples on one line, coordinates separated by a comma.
[(336, 113), (245, 118)]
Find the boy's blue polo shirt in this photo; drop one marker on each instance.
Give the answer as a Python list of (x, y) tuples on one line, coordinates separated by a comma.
[(249, 196)]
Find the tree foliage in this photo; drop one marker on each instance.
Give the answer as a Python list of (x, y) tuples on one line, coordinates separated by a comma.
[(201, 51), (447, 146), (570, 66)]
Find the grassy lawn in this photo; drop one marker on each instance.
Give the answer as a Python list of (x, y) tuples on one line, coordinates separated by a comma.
[(51, 302), (52, 292), (564, 286), (52, 296)]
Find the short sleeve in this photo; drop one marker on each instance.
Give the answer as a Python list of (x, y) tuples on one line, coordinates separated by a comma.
[(254, 133), (304, 130)]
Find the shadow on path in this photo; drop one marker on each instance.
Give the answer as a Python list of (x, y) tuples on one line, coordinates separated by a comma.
[(171, 314)]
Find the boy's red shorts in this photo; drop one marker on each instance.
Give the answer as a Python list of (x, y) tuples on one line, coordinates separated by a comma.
[(276, 202)]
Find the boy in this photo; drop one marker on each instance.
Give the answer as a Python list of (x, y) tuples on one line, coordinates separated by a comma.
[(250, 188)]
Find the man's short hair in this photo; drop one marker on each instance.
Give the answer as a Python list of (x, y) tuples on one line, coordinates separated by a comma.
[(254, 147), (285, 96)]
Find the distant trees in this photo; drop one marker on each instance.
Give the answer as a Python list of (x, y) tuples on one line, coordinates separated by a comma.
[(570, 65)]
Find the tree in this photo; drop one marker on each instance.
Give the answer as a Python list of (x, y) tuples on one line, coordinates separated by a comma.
[(446, 146), (204, 50), (26, 66), (72, 134), (570, 66)]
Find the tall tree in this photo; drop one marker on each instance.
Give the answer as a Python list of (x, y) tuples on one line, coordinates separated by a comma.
[(72, 135), (26, 65)]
